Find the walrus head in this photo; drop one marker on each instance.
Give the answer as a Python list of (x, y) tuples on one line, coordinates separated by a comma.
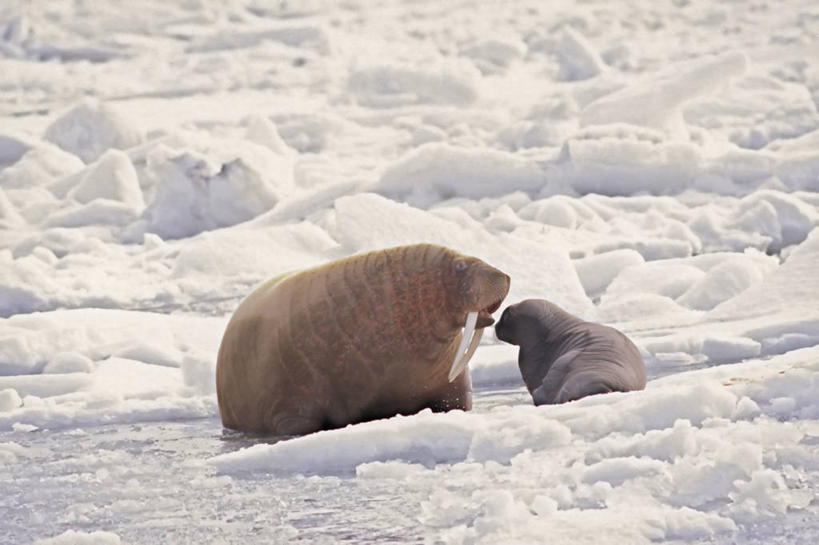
[(476, 291), (531, 318), (478, 287)]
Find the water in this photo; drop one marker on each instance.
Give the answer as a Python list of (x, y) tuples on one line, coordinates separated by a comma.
[(148, 483)]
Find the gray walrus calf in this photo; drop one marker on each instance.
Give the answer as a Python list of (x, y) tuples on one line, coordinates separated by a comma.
[(563, 358), (365, 337)]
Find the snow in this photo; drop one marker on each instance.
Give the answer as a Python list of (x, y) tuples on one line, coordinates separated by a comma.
[(111, 177), (652, 167), (577, 57), (9, 400), (395, 85), (192, 193), (72, 537), (435, 172), (90, 128), (494, 55), (656, 103), (597, 271)]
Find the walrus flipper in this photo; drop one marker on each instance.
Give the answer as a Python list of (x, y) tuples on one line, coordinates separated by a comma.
[(455, 395), (582, 385), (548, 391), (302, 418)]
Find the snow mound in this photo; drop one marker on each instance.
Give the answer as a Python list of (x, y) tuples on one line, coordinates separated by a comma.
[(761, 112), (597, 271), (730, 349), (111, 177), (391, 85), (199, 374), (368, 221), (798, 166), (656, 103), (783, 217), (9, 400), (669, 279), (23, 285), (230, 37), (435, 172), (9, 216), (621, 159), (69, 362), (262, 131), (698, 283), (75, 537), (90, 128), (561, 211), (423, 438), (91, 366), (727, 279), (493, 56), (312, 132), (252, 254), (782, 337), (12, 148), (793, 287), (73, 339), (97, 212), (577, 58), (40, 165), (195, 192), (629, 307)]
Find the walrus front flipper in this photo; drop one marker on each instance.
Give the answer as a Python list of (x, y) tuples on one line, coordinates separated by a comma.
[(548, 391), (296, 417), (297, 425), (455, 395)]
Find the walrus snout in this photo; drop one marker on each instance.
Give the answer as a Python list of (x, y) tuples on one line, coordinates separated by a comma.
[(485, 287), (485, 318), (493, 286)]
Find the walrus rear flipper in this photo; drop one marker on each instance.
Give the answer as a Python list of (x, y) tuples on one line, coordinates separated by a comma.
[(552, 384), (582, 385)]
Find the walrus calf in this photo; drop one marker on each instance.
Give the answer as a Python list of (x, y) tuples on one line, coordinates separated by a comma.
[(563, 358), (366, 337)]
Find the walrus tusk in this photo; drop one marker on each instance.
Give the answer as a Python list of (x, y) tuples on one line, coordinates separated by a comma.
[(464, 361), (469, 342)]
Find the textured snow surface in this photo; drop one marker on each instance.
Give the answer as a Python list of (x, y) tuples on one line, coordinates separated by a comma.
[(653, 166)]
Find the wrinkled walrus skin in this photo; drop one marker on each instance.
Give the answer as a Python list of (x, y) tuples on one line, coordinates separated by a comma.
[(366, 337), (562, 358)]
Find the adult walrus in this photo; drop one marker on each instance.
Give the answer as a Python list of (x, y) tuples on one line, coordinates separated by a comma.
[(563, 358), (365, 337)]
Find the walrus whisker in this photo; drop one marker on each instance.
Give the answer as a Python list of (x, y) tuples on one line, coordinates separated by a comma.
[(466, 339)]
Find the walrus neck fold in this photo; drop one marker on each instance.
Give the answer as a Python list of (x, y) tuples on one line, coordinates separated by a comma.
[(534, 363)]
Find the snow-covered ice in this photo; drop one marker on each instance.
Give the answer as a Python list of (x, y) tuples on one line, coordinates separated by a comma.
[(653, 166)]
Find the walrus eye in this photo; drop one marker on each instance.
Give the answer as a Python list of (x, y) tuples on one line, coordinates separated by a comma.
[(460, 265)]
